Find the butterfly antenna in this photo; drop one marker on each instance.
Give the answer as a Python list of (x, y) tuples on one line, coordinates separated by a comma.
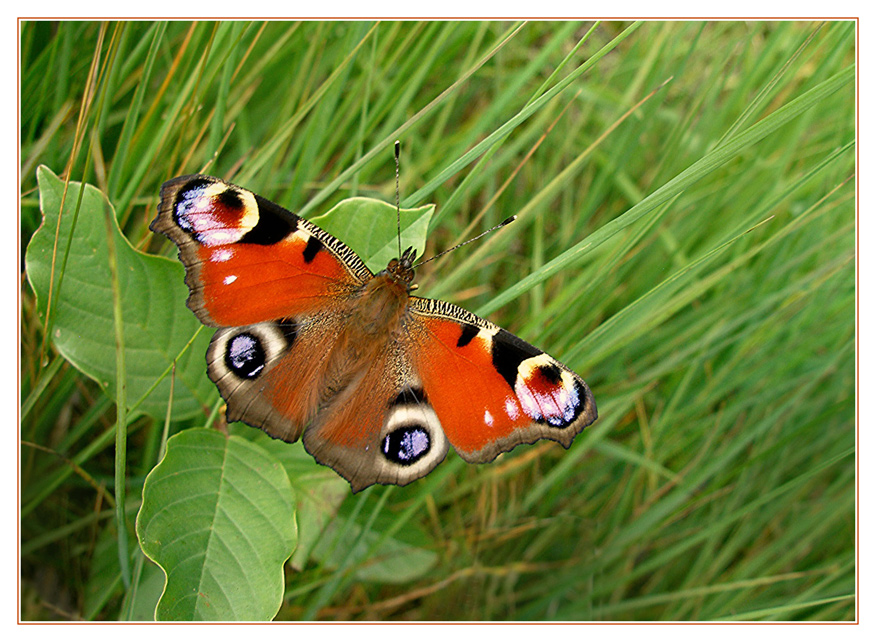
[(397, 207), (510, 219)]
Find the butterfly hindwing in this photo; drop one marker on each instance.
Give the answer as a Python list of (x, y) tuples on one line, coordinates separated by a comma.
[(249, 260), (258, 370), (381, 429)]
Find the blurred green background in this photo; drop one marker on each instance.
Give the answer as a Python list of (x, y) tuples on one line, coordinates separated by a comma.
[(685, 242)]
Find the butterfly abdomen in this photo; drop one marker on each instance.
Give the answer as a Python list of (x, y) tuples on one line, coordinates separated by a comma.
[(379, 310)]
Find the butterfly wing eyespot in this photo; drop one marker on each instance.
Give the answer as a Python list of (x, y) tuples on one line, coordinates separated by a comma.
[(374, 433), (253, 367)]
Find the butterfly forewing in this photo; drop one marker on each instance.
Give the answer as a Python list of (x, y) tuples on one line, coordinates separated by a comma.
[(248, 260), (492, 390)]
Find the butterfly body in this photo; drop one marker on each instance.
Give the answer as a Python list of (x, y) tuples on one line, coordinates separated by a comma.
[(311, 344)]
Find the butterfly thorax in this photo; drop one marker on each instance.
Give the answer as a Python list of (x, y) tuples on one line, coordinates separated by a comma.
[(373, 319), (381, 307)]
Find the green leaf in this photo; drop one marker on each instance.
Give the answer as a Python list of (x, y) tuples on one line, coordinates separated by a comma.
[(157, 324), (218, 517), (149, 591), (319, 491), (368, 226)]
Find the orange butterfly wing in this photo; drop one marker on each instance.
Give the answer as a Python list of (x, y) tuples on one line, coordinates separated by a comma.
[(249, 260), (491, 390)]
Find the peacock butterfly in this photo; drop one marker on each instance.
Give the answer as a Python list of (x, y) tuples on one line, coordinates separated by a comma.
[(310, 342)]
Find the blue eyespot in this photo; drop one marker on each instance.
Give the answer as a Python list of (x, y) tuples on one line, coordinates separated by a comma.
[(406, 445), (245, 356)]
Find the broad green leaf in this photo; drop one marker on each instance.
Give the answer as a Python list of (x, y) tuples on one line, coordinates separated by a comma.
[(218, 517), (369, 227), (319, 491), (149, 591), (157, 323), (105, 580)]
